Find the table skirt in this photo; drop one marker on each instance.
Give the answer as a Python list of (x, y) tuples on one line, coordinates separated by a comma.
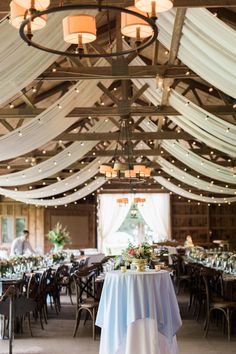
[(142, 337)]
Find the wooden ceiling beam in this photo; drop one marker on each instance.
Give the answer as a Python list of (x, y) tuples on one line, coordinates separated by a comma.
[(167, 135), (118, 72), (103, 111), (4, 5)]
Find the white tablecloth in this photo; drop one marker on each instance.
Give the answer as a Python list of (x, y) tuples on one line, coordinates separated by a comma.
[(138, 314)]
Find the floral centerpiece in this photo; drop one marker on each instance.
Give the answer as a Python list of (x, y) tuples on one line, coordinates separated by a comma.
[(5, 267), (139, 255), (59, 236)]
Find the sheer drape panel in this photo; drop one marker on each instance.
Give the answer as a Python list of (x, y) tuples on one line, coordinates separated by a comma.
[(172, 187), (206, 46), (195, 182), (111, 216), (156, 213), (56, 163), (79, 194), (62, 186)]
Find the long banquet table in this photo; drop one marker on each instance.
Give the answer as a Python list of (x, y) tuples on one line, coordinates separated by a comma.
[(138, 313)]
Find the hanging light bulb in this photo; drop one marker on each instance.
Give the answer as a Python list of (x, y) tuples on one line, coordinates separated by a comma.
[(135, 27), (153, 6), (18, 15)]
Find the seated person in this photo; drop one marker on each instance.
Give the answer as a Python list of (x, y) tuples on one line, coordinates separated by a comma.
[(21, 245), (188, 242)]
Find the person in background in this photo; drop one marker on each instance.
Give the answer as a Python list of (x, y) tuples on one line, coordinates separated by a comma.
[(21, 245)]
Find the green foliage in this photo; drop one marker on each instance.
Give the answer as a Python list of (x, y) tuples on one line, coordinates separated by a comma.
[(59, 236)]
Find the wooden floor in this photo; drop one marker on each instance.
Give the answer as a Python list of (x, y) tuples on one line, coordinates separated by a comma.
[(57, 336)]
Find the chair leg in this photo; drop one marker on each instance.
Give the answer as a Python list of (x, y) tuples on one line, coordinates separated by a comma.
[(228, 322), (207, 324), (29, 324), (93, 319), (77, 321)]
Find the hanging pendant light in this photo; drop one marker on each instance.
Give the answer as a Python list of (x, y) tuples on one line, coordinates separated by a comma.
[(135, 27), (18, 15), (153, 6), (33, 4), (79, 29)]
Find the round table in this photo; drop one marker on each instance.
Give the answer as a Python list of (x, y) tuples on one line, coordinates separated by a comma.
[(138, 313)]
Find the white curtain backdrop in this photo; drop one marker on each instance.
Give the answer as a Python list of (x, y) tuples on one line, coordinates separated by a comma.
[(110, 217), (156, 213)]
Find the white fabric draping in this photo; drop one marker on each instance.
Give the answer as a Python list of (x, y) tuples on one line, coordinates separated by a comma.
[(62, 186), (79, 194), (207, 121), (191, 159), (206, 46), (207, 136), (185, 177), (182, 192), (202, 135), (199, 164), (56, 163), (49, 123), (199, 123), (110, 216), (156, 213), (21, 64)]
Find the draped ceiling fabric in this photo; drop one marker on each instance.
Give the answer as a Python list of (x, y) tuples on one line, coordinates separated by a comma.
[(182, 192), (156, 213), (51, 122), (62, 186), (189, 158), (195, 182), (70, 198), (56, 163), (110, 217), (207, 46), (19, 64)]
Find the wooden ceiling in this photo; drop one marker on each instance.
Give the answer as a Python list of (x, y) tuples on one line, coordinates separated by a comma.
[(122, 98)]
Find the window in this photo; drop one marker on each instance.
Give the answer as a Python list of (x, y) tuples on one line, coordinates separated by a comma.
[(7, 229), (20, 225)]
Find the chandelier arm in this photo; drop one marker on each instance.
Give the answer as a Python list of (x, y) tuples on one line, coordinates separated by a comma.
[(150, 21)]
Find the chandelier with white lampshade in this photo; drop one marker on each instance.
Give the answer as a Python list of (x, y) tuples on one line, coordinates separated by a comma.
[(79, 29)]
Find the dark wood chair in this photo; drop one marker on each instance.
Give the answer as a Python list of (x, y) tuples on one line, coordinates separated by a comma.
[(86, 300), (215, 302)]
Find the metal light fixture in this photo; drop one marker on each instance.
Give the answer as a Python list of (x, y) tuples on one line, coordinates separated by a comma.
[(124, 165), (80, 28)]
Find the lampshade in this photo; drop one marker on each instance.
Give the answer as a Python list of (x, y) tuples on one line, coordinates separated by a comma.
[(149, 5), (17, 14), (139, 168), (79, 25), (135, 27), (105, 168), (122, 200), (37, 4), (130, 174)]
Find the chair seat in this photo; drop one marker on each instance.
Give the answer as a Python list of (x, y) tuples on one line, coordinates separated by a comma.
[(221, 303), (89, 304)]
